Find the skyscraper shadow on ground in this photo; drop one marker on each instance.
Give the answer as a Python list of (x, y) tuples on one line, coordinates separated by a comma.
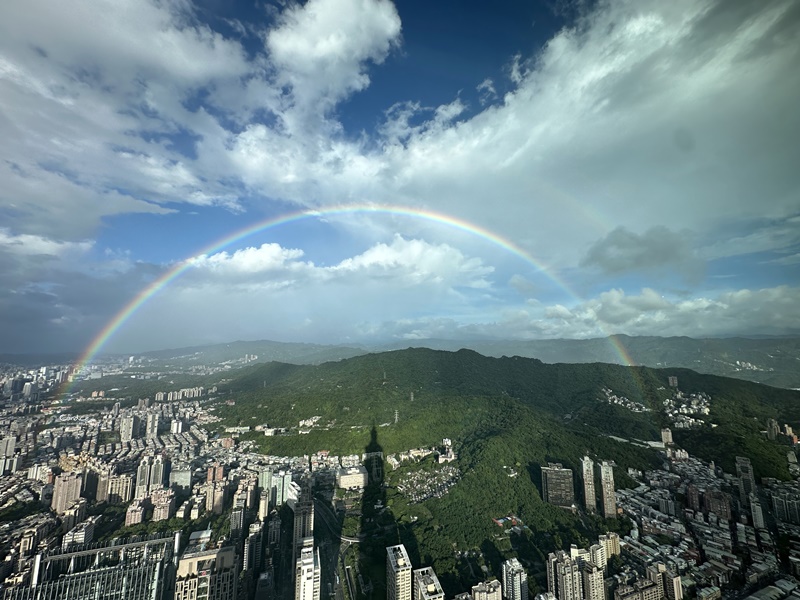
[(379, 527)]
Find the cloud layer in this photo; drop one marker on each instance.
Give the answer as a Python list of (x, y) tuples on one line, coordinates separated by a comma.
[(644, 146)]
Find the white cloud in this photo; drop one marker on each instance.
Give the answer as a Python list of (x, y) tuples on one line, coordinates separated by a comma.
[(321, 49), (617, 122), (268, 257), (743, 312), (403, 262), (486, 90), (768, 311), (37, 245), (272, 292)]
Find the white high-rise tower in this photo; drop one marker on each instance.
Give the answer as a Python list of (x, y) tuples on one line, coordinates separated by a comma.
[(398, 573)]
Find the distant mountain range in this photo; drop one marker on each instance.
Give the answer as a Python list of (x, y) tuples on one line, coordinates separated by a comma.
[(772, 361)]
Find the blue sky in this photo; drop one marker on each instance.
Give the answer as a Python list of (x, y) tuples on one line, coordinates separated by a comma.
[(643, 155)]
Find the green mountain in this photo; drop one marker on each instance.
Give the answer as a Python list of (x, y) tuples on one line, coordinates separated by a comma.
[(447, 394), (773, 361), (507, 417)]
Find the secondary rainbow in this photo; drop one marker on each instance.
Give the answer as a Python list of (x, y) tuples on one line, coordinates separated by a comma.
[(179, 268)]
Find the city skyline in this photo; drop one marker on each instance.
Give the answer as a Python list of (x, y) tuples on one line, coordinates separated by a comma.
[(461, 172)]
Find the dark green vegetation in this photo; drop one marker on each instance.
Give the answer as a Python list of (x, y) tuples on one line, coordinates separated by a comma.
[(507, 416), (775, 359), (464, 395), (740, 409)]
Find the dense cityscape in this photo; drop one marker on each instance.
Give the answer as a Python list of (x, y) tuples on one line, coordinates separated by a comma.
[(151, 500)]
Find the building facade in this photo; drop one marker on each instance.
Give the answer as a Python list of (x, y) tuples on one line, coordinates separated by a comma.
[(398, 573), (557, 485)]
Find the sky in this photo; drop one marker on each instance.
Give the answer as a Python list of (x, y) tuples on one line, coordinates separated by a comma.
[(458, 169)]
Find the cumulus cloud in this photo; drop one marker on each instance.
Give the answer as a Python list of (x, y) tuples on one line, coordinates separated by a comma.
[(405, 262), (321, 49)]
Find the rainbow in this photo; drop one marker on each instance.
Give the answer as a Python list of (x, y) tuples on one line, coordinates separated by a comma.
[(436, 217)]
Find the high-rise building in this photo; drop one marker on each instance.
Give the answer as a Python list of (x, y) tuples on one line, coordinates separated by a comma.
[(717, 502), (303, 520), (307, 575), (216, 473), (120, 489), (607, 488), (557, 485), (747, 480), (587, 474), (163, 504), (143, 478), (206, 574), (7, 446), (135, 513), (593, 584), (251, 560), (158, 473), (82, 533), (265, 480), (237, 522), (487, 590), (426, 585), (103, 476), (656, 573), (274, 530), (128, 428), (597, 556), (756, 512), (772, 429), (215, 497), (666, 436), (66, 491), (673, 586), (263, 505), (580, 555), (564, 577), (153, 421), (398, 573), (693, 495), (281, 482), (611, 543), (515, 580), (180, 478)]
